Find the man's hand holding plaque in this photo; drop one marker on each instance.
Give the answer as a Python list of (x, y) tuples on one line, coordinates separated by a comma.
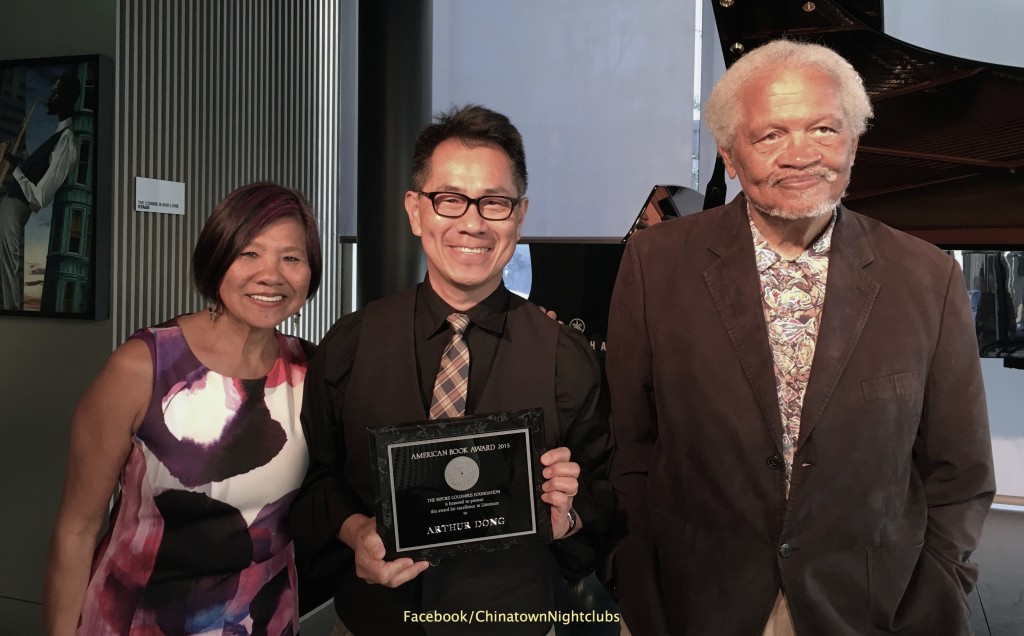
[(560, 486), (359, 532)]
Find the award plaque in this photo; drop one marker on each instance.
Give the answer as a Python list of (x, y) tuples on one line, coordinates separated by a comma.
[(460, 485)]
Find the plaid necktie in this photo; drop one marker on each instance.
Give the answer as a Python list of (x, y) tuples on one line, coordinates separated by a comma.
[(453, 378)]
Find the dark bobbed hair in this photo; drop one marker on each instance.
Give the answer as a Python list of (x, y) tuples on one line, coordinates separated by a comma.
[(472, 125), (236, 221)]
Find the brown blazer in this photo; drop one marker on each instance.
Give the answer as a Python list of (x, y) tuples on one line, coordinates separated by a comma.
[(893, 475)]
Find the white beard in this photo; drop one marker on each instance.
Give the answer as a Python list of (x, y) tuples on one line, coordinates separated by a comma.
[(819, 210), (815, 211)]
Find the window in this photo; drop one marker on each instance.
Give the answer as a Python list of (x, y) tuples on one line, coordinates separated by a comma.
[(89, 88), (75, 231), (68, 300), (83, 175)]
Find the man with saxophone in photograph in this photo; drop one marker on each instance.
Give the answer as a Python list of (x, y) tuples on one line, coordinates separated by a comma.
[(28, 183)]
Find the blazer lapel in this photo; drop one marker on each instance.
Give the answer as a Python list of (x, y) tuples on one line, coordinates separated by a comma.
[(733, 283), (849, 295)]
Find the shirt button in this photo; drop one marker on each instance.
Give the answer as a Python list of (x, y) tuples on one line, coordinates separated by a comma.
[(775, 462), (785, 550)]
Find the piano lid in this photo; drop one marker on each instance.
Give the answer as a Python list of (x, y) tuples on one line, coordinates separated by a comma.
[(943, 157)]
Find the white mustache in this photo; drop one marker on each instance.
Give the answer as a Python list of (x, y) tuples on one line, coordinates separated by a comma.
[(828, 174)]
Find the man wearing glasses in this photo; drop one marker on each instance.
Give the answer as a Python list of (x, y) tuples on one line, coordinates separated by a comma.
[(379, 366)]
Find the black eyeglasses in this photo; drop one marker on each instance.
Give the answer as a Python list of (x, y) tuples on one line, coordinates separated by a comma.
[(452, 205)]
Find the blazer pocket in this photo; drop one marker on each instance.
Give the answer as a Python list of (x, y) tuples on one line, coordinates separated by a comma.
[(910, 593), (676, 541), (890, 570), (892, 386)]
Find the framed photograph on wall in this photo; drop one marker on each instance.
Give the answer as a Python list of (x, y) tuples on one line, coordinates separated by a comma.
[(49, 214)]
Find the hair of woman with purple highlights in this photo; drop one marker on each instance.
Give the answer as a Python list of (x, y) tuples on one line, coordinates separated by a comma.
[(236, 221)]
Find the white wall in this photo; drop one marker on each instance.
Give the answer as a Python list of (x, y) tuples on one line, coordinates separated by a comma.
[(602, 91), (988, 31), (1004, 389)]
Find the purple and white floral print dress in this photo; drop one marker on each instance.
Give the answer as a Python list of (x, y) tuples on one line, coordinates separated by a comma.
[(198, 540)]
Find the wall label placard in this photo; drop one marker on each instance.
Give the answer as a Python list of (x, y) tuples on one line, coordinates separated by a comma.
[(157, 195)]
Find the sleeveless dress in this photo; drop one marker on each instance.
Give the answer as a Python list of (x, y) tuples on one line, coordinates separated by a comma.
[(198, 540)]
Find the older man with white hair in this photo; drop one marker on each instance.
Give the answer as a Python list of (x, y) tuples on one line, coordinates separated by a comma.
[(802, 440)]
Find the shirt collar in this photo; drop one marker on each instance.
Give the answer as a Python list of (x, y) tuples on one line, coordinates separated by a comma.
[(766, 256), (64, 124), (432, 312)]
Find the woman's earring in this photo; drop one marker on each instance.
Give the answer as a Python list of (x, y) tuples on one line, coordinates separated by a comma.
[(215, 311), (295, 318)]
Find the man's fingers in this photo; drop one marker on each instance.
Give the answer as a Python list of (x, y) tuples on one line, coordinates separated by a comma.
[(390, 573), (556, 455), (558, 500), (371, 543), (568, 486), (567, 470), (399, 571), (407, 573)]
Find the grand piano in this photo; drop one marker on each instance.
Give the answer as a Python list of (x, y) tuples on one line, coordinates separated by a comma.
[(943, 159), (944, 156)]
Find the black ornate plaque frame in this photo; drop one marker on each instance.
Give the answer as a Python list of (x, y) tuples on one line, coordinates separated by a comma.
[(460, 485)]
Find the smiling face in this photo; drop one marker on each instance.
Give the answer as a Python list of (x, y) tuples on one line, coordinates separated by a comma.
[(793, 149), (269, 279), (465, 256)]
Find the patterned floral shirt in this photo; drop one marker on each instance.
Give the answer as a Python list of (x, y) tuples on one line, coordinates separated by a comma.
[(792, 294)]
